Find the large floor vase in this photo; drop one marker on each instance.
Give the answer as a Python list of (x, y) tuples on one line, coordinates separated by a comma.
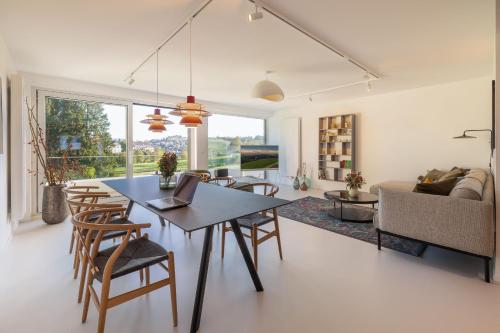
[(54, 207)]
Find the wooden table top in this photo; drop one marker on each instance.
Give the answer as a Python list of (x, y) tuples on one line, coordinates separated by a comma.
[(211, 205)]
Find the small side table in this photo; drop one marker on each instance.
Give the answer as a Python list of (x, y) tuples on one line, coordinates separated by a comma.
[(352, 212)]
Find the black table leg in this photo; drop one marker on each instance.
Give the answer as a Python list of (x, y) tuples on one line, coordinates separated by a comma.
[(202, 279), (162, 220), (129, 207), (246, 255)]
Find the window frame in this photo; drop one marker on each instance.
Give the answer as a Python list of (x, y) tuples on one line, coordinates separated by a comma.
[(264, 125)]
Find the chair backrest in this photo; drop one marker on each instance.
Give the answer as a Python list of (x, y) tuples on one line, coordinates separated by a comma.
[(204, 175), (264, 188), (89, 201), (91, 233), (223, 181)]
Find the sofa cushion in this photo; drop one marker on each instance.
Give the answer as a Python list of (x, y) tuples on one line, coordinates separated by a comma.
[(393, 185), (453, 174), (471, 186), (432, 176), (442, 187)]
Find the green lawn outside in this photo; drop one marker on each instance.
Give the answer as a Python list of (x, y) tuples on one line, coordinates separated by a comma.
[(266, 163)]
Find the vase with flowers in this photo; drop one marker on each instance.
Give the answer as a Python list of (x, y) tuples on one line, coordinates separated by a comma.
[(354, 180), (167, 166), (55, 172)]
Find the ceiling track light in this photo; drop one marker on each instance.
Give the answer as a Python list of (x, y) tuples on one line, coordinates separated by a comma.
[(256, 15), (131, 81)]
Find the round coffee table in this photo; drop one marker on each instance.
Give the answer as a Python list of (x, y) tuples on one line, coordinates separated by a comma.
[(351, 212)]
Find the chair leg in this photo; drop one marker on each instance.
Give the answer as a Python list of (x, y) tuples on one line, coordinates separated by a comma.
[(379, 241), (87, 297), (173, 287), (255, 246), (487, 270), (223, 240), (82, 278), (72, 242), (278, 237), (103, 306), (148, 280), (77, 258), (189, 234), (141, 275)]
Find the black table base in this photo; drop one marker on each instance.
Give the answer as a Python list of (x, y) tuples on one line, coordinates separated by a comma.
[(205, 259), (352, 213)]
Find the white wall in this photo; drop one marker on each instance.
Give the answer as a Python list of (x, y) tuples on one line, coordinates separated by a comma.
[(400, 135), (5, 68)]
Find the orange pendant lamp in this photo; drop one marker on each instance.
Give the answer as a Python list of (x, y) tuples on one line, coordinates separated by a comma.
[(157, 121), (190, 111)]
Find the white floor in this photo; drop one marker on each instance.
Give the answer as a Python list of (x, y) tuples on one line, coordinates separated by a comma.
[(326, 283)]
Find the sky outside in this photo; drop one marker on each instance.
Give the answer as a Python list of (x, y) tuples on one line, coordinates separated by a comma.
[(219, 125)]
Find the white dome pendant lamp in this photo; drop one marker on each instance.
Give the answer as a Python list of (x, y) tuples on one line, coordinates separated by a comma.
[(268, 90)]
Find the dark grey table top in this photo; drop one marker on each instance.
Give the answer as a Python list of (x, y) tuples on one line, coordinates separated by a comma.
[(211, 205), (343, 196)]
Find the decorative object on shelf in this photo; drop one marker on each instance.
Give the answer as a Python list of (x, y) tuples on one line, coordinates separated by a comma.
[(336, 147), (167, 166), (354, 180), (296, 180), (56, 172), (157, 121), (190, 111), (268, 90)]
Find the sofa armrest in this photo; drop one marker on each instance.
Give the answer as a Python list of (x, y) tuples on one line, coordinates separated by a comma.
[(457, 223)]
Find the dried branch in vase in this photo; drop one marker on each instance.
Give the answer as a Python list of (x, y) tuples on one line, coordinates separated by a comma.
[(54, 172)]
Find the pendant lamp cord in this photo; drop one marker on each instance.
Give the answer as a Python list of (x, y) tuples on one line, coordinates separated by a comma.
[(190, 61), (157, 79)]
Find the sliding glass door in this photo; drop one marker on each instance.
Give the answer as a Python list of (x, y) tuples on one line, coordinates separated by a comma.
[(226, 134), (93, 133)]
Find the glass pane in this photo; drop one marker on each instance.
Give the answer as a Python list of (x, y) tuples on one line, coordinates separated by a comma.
[(95, 134), (225, 136), (149, 146)]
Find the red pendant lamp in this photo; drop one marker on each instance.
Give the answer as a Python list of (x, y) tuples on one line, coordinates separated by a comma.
[(190, 111), (157, 121)]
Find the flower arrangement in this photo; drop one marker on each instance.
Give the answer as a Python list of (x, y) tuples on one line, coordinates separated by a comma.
[(55, 171), (354, 180), (168, 164)]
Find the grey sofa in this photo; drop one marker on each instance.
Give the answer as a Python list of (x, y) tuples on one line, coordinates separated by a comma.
[(450, 222)]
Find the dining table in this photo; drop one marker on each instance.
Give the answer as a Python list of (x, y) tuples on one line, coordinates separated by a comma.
[(211, 205)]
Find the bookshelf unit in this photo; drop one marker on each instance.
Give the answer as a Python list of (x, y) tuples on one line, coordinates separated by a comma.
[(336, 147)]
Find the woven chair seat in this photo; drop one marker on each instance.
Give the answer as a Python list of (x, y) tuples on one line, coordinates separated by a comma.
[(254, 219), (139, 253)]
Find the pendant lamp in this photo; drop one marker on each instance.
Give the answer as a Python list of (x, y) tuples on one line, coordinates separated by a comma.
[(157, 121), (190, 111), (268, 90)]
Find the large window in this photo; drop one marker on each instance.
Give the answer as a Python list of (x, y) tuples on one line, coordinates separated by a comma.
[(94, 134), (225, 136), (149, 146)]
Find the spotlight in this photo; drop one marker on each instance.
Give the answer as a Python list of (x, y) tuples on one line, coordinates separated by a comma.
[(368, 86), (131, 81), (255, 15)]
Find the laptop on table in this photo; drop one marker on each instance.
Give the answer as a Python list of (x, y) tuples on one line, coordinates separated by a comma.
[(183, 194)]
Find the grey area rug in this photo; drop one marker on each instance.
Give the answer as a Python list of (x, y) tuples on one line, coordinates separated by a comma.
[(314, 211)]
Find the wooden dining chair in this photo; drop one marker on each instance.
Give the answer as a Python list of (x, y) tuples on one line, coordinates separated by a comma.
[(131, 255), (114, 218), (226, 181), (204, 175), (254, 222), (81, 191)]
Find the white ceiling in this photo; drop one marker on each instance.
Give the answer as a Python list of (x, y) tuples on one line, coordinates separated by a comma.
[(410, 43)]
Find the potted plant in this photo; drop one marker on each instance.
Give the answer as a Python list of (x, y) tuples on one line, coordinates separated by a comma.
[(56, 172), (167, 166), (354, 181)]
